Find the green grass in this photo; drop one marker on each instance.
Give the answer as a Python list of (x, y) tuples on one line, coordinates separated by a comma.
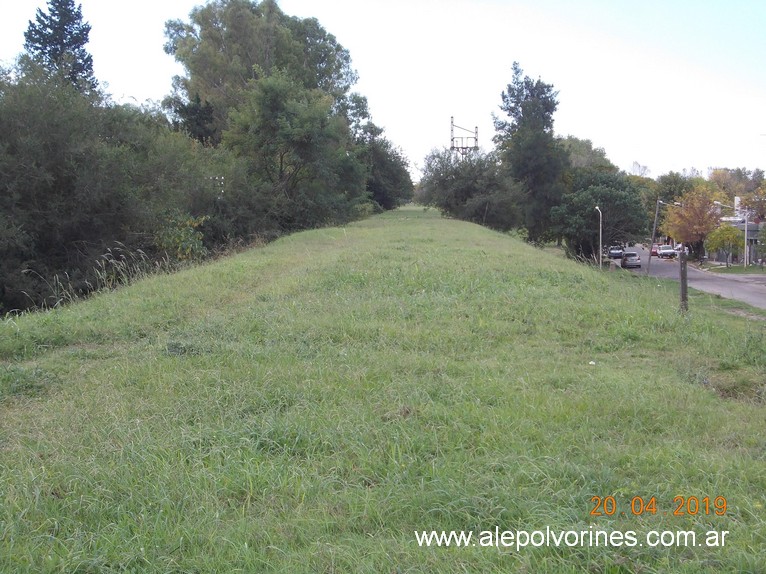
[(738, 269), (307, 406)]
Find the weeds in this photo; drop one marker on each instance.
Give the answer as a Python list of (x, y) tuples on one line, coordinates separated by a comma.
[(60, 291), (754, 348), (118, 266), (121, 266)]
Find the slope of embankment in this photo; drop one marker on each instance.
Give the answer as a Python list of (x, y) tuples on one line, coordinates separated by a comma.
[(310, 405)]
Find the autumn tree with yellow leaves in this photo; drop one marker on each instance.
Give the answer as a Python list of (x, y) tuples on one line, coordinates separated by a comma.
[(696, 216)]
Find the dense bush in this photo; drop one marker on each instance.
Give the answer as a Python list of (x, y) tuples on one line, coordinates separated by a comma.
[(80, 175), (471, 188), (290, 149)]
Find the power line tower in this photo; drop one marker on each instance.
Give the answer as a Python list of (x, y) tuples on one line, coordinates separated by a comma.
[(463, 144)]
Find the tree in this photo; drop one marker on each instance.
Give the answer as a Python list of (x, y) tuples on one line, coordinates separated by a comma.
[(77, 176), (57, 41), (756, 202), (672, 186), (736, 182), (695, 218), (222, 48), (582, 154), (61, 187), (624, 217), (530, 153), (529, 104), (388, 180), (194, 117), (725, 238), (301, 153), (324, 63), (228, 44), (470, 188), (640, 170)]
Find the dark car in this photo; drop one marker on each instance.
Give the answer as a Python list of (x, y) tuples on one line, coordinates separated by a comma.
[(615, 252), (630, 259)]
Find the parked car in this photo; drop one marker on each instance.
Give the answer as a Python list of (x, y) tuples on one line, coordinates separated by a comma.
[(630, 259), (615, 252), (666, 252), (655, 249)]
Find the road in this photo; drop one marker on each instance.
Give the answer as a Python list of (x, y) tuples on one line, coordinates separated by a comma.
[(750, 289)]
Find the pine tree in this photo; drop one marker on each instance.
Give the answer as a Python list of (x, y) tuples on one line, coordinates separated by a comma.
[(529, 150), (57, 41)]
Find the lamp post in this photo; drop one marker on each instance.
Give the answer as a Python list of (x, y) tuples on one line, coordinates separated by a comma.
[(600, 227)]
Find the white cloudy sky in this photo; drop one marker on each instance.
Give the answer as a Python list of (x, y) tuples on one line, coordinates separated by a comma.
[(670, 84)]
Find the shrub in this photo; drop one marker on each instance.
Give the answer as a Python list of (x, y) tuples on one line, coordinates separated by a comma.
[(180, 237)]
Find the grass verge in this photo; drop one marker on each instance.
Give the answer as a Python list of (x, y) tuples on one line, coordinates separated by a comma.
[(308, 406), (738, 269)]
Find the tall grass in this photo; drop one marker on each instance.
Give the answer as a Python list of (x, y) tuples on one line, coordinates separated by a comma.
[(117, 266), (120, 266), (307, 406)]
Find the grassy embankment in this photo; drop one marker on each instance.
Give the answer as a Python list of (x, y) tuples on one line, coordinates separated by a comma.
[(307, 406)]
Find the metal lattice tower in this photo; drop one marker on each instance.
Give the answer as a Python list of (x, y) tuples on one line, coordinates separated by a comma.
[(463, 144)]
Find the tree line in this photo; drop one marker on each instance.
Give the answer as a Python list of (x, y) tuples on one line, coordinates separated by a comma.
[(262, 136), (547, 186)]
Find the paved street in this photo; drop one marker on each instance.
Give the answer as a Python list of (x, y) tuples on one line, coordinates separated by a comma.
[(750, 289)]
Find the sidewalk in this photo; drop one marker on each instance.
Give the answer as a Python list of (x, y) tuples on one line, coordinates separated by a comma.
[(758, 277)]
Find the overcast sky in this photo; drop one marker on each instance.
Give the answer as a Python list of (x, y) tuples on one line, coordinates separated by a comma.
[(670, 84)]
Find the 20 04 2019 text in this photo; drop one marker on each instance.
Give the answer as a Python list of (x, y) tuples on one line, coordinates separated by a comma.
[(638, 506)]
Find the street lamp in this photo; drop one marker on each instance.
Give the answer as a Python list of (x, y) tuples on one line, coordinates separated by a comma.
[(600, 227)]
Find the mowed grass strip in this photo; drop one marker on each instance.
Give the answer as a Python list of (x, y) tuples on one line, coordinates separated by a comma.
[(307, 406)]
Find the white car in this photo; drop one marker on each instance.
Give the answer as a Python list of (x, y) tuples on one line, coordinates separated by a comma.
[(666, 252)]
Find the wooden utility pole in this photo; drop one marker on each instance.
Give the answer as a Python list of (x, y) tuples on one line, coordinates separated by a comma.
[(684, 283)]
